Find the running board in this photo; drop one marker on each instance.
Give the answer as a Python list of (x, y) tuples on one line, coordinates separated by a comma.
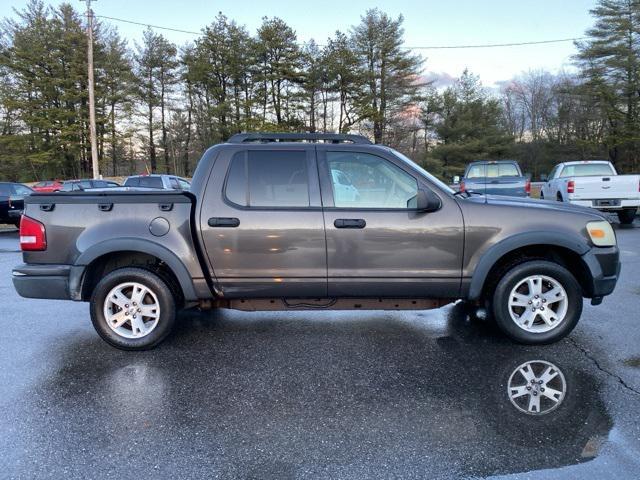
[(280, 304)]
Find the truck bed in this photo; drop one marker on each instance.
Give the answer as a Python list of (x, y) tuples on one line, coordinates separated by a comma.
[(83, 226)]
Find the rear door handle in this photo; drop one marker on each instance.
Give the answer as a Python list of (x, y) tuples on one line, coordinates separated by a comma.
[(349, 223), (230, 222)]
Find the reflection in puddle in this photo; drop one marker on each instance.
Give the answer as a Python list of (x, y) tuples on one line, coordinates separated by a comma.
[(537, 387)]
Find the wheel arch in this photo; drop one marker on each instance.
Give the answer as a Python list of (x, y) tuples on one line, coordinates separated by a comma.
[(103, 257), (562, 248)]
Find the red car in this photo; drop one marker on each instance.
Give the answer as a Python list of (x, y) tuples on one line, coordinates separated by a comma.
[(48, 186)]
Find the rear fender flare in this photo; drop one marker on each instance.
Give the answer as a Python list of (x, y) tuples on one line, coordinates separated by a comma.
[(141, 246)]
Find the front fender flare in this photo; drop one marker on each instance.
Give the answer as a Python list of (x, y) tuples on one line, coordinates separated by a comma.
[(573, 242)]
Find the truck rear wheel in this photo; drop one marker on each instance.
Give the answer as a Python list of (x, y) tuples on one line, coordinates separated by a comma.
[(133, 309), (537, 302), (627, 216)]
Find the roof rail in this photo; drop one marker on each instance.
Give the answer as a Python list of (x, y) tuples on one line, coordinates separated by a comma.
[(309, 137)]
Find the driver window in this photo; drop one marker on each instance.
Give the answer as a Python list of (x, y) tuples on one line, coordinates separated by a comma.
[(362, 180)]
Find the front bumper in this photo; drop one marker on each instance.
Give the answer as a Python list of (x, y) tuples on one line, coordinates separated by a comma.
[(56, 282), (604, 267)]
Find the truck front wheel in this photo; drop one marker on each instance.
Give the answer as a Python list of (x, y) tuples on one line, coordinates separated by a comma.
[(627, 215), (537, 302), (133, 309)]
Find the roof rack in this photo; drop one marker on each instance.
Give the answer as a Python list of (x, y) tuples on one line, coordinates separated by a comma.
[(288, 137)]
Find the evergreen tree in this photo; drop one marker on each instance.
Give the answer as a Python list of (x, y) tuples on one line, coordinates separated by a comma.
[(391, 72), (610, 64), (468, 126)]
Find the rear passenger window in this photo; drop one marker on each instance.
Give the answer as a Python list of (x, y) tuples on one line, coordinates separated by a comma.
[(268, 179)]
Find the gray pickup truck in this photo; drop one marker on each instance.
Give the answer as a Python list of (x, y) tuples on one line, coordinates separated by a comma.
[(496, 177), (313, 221)]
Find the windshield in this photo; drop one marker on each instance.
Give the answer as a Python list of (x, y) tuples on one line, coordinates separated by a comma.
[(587, 169), (422, 171), (493, 170)]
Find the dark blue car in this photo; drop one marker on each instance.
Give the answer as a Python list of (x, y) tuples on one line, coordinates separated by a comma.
[(496, 177)]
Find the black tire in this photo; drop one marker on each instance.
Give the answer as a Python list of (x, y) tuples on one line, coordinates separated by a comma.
[(627, 216), (541, 195), (166, 302), (518, 273), (559, 197)]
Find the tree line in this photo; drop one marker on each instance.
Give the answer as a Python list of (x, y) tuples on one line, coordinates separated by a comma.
[(160, 105)]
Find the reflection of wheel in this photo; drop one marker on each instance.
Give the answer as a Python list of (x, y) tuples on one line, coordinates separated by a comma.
[(133, 309), (536, 387), (560, 430), (627, 216), (537, 302), (541, 195)]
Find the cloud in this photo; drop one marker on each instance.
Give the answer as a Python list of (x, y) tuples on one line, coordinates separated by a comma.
[(439, 79)]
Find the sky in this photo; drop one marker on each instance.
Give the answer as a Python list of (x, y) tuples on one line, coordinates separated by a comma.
[(426, 23)]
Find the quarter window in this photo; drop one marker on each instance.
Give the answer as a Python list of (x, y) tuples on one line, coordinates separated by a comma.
[(268, 178), (361, 180)]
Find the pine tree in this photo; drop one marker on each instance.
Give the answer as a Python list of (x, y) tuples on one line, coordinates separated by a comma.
[(391, 72), (610, 63)]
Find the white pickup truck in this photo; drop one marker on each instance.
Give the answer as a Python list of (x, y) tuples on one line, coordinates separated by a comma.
[(595, 184)]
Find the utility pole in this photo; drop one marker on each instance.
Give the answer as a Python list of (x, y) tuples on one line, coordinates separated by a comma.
[(92, 100)]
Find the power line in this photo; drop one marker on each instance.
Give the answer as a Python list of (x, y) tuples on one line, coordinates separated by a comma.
[(491, 45), (148, 25), (431, 47)]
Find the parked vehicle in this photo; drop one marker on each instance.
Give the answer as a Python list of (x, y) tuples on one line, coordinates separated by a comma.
[(265, 228), (157, 181), (47, 186), (496, 177), (595, 184), (78, 185), (12, 201)]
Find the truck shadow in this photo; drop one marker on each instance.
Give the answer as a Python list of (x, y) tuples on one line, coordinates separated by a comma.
[(311, 393)]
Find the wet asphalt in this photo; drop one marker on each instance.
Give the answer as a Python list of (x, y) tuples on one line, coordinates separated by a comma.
[(316, 394)]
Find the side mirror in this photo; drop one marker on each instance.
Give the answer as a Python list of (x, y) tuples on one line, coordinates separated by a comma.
[(456, 179), (544, 177), (425, 201)]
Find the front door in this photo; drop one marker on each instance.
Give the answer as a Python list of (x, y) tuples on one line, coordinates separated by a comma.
[(262, 223), (377, 244)]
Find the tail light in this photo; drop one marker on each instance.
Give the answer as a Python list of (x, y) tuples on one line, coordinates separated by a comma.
[(527, 187), (33, 236), (571, 186), (461, 186)]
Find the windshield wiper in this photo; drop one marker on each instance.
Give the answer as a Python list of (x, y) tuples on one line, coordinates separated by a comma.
[(468, 192)]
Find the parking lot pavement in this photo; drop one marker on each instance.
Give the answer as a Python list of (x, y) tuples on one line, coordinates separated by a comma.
[(316, 395)]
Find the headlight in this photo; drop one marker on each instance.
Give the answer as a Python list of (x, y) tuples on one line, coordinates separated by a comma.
[(601, 234)]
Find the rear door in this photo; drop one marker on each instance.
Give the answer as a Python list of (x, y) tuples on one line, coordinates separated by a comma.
[(377, 244), (261, 222)]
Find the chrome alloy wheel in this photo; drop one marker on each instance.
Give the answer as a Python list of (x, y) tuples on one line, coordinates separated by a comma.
[(538, 304), (537, 387), (131, 310)]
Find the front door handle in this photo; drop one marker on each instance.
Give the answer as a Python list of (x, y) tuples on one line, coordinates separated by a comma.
[(230, 222), (349, 223)]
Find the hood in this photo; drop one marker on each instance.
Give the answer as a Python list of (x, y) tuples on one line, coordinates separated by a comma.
[(526, 202)]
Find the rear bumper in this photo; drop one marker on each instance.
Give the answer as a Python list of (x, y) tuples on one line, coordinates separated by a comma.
[(45, 281), (620, 204), (604, 265)]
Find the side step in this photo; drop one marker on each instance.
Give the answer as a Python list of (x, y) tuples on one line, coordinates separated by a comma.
[(280, 304)]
